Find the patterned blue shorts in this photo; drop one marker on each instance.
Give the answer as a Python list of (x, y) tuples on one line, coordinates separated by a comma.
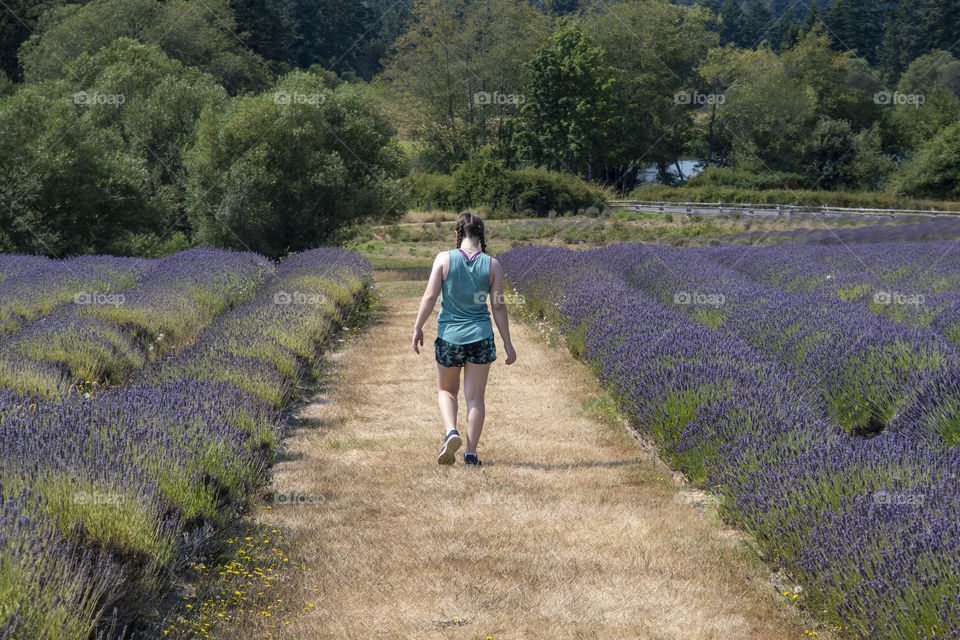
[(456, 355)]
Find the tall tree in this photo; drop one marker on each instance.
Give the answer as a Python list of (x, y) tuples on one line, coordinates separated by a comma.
[(569, 120), (458, 73), (655, 45), (857, 25), (905, 37)]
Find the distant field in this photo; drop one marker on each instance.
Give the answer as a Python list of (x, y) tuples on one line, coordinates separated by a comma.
[(412, 243)]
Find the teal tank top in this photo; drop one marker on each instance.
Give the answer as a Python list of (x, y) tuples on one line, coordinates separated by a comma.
[(464, 316)]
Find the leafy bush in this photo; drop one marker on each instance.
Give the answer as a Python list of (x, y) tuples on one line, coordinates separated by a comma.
[(744, 179), (484, 181), (435, 189), (934, 171), (540, 190), (283, 170)]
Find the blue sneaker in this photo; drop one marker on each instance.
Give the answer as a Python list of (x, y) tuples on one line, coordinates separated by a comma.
[(450, 445), (471, 459)]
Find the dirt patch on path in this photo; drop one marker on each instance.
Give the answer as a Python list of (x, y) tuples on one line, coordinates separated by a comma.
[(571, 530)]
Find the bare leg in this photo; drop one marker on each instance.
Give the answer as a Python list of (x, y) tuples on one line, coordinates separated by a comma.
[(448, 386), (474, 388)]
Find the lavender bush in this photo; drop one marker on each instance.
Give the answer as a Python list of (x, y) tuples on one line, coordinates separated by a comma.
[(115, 479), (740, 396)]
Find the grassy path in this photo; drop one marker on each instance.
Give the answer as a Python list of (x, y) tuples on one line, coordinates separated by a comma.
[(571, 530)]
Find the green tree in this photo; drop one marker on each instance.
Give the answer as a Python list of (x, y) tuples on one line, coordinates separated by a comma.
[(927, 98), (934, 170), (284, 170), (458, 73), (198, 33), (68, 186), (905, 36), (655, 46), (829, 153), (857, 25), (569, 120), (162, 100), (767, 113), (840, 83)]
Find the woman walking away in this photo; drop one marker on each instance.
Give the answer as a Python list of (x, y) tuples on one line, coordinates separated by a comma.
[(464, 278)]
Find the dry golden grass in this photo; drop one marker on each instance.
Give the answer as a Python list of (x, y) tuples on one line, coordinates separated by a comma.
[(571, 530), (418, 215)]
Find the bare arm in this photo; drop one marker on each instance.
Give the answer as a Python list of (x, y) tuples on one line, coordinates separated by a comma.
[(499, 304), (429, 300)]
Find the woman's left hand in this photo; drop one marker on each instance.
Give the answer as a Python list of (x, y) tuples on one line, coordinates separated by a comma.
[(417, 338)]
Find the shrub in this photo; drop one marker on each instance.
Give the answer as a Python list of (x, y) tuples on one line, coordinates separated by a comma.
[(744, 179), (483, 181)]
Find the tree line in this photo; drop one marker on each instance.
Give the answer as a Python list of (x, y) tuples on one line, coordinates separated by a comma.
[(142, 126)]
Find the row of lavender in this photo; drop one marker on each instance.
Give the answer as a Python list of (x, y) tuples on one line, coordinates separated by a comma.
[(80, 325), (748, 397), (913, 283), (104, 493), (892, 228)]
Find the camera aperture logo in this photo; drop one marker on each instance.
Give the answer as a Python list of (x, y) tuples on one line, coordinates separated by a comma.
[(896, 498), (96, 98), (483, 297), (897, 98), (698, 99)]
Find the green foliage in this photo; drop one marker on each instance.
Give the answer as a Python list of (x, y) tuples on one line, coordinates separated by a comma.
[(934, 171), (283, 170), (655, 46), (743, 179), (767, 113), (459, 72), (162, 100), (67, 185), (197, 33), (484, 181), (569, 118), (931, 90), (829, 153)]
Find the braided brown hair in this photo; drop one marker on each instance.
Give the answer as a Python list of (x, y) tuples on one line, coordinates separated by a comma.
[(471, 225)]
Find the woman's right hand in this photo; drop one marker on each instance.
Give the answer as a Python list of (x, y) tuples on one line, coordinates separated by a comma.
[(511, 353), (417, 338)]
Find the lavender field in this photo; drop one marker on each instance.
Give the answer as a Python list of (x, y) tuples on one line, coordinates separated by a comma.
[(140, 404), (815, 389)]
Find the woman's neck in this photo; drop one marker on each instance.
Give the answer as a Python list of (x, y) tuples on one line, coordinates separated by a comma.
[(468, 245)]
